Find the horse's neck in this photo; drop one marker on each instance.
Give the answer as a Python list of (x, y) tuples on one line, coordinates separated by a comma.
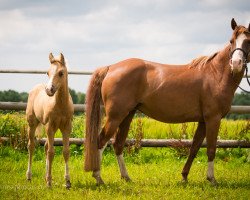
[(62, 95), (221, 65)]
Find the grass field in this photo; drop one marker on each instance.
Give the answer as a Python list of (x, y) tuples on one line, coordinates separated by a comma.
[(156, 172)]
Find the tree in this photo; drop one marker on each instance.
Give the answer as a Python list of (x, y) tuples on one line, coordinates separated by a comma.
[(10, 95), (242, 98), (81, 98), (73, 95)]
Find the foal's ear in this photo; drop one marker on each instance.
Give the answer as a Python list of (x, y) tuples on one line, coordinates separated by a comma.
[(51, 58), (233, 23), (62, 59)]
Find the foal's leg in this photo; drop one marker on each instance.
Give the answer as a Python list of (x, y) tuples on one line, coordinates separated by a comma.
[(50, 153), (31, 148), (197, 141), (66, 153), (107, 132), (212, 128), (119, 144)]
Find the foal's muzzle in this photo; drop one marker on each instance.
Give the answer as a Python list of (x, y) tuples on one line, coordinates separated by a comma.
[(50, 91)]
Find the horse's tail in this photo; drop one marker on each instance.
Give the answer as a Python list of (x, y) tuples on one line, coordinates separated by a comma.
[(93, 120)]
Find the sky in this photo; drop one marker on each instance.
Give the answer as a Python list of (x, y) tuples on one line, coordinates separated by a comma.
[(96, 33)]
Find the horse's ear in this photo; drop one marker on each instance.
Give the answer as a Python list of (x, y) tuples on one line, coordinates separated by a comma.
[(51, 58), (62, 59), (233, 23)]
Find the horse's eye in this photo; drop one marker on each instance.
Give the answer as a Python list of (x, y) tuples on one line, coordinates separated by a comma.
[(60, 74), (231, 41)]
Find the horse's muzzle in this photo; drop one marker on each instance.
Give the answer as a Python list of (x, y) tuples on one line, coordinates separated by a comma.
[(50, 91)]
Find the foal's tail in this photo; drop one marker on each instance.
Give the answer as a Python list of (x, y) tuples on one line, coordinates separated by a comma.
[(93, 120)]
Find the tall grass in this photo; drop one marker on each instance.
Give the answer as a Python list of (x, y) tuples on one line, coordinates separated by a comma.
[(14, 125), (155, 171)]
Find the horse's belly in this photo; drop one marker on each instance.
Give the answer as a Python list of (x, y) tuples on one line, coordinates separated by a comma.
[(172, 113)]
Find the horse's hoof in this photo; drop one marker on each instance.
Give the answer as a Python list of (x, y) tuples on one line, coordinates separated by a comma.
[(100, 181), (28, 176), (184, 181), (68, 184), (126, 178), (212, 181)]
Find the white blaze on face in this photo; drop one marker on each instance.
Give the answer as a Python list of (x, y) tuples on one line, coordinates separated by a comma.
[(51, 78), (237, 57)]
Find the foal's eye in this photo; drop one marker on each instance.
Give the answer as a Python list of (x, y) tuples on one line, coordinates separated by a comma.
[(60, 74)]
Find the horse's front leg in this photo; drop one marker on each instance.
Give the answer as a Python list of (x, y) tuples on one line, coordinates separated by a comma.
[(212, 128), (197, 142), (50, 153)]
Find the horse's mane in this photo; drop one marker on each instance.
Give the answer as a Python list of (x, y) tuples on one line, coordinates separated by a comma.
[(202, 61)]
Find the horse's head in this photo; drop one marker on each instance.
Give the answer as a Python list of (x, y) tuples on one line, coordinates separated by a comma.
[(240, 47), (57, 74)]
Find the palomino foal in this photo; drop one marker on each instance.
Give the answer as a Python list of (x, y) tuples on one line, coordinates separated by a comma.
[(51, 105)]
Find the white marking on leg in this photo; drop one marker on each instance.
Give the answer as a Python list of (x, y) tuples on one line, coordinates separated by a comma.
[(97, 174), (29, 173), (47, 167), (210, 170), (101, 152), (122, 166), (67, 177)]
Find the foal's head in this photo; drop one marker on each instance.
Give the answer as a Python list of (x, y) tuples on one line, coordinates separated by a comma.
[(240, 47), (57, 74)]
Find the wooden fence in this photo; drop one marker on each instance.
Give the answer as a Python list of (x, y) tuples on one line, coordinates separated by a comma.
[(17, 106)]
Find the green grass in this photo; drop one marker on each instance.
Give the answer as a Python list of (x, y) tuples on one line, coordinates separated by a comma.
[(155, 173)]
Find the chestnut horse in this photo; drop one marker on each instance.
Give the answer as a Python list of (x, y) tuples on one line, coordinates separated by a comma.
[(201, 91), (51, 105)]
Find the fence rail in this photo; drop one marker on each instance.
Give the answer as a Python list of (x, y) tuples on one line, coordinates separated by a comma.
[(17, 106), (14, 71), (149, 142)]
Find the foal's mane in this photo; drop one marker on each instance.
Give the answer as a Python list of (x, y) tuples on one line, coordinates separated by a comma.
[(202, 61)]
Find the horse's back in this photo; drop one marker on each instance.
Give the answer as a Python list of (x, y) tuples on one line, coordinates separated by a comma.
[(164, 92)]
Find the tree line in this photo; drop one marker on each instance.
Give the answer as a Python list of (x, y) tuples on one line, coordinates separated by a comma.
[(14, 96), (79, 98)]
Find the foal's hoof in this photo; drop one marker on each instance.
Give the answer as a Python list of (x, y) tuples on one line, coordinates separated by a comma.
[(184, 180), (49, 185), (99, 181), (28, 176), (212, 181), (126, 178), (68, 184)]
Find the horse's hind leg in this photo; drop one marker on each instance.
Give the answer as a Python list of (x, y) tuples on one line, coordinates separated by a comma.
[(197, 141), (31, 148), (107, 132), (66, 133), (212, 128), (119, 143)]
